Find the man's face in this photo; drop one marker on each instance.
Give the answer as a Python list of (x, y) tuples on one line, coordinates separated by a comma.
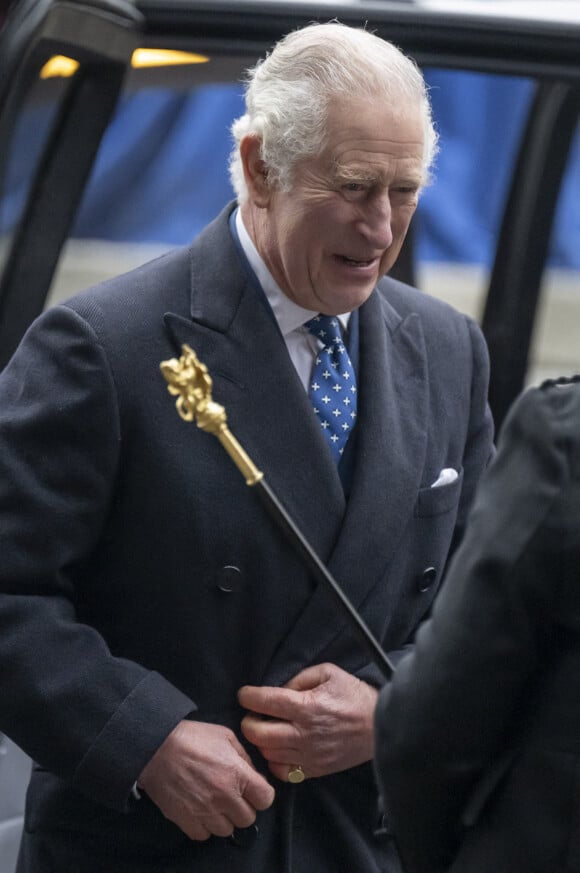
[(330, 239)]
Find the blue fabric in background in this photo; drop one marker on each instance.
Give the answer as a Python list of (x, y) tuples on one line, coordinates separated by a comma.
[(480, 120), (161, 174)]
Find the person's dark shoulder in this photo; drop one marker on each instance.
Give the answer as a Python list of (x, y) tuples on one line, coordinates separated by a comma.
[(152, 288), (163, 284), (548, 413), (407, 299), (438, 317)]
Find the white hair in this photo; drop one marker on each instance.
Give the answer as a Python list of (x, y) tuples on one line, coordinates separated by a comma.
[(288, 94)]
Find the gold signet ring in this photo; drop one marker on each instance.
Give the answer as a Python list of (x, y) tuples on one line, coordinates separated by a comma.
[(296, 774)]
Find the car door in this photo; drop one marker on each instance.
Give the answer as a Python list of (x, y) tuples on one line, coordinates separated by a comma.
[(64, 117)]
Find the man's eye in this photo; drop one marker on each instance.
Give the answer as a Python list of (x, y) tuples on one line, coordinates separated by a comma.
[(353, 186)]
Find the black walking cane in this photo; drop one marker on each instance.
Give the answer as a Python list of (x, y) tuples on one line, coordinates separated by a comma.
[(190, 381)]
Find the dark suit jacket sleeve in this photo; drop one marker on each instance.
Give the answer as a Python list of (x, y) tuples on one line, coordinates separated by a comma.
[(453, 705), (73, 706)]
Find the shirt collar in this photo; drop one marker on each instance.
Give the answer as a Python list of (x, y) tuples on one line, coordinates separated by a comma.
[(288, 314)]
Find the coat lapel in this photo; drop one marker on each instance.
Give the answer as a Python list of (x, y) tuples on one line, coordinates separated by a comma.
[(390, 451), (391, 444), (233, 333)]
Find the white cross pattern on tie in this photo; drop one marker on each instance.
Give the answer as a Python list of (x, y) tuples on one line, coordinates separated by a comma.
[(333, 384)]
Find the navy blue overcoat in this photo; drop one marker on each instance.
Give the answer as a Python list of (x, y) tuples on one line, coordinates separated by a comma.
[(121, 523)]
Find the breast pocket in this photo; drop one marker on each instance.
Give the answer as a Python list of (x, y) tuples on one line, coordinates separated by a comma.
[(439, 499)]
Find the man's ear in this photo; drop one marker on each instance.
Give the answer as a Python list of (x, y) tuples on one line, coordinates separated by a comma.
[(255, 172)]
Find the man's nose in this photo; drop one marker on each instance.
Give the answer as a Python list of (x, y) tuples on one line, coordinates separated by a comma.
[(375, 223)]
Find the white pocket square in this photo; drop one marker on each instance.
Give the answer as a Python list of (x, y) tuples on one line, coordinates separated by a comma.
[(445, 477)]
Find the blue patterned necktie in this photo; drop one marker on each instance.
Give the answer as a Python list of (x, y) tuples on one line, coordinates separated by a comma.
[(332, 384)]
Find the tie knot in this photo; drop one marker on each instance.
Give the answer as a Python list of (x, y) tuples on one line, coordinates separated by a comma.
[(326, 328)]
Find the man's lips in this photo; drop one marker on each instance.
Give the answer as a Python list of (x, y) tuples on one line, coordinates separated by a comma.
[(357, 262)]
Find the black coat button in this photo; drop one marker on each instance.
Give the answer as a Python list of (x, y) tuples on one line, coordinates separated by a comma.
[(426, 579), (229, 579), (245, 837)]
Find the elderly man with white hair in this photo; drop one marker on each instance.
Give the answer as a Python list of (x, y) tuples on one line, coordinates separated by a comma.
[(192, 700)]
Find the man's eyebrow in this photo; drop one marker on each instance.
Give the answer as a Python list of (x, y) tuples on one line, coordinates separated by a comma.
[(371, 176), (407, 182), (356, 174)]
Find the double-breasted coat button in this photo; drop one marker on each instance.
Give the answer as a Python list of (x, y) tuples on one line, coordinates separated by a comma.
[(382, 829), (229, 579), (426, 579), (245, 837)]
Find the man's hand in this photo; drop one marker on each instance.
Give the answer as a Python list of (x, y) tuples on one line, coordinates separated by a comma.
[(203, 780), (322, 719)]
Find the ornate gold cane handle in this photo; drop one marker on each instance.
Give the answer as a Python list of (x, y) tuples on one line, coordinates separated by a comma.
[(189, 380)]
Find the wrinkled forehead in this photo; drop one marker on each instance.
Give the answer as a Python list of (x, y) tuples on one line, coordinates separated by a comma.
[(369, 132)]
